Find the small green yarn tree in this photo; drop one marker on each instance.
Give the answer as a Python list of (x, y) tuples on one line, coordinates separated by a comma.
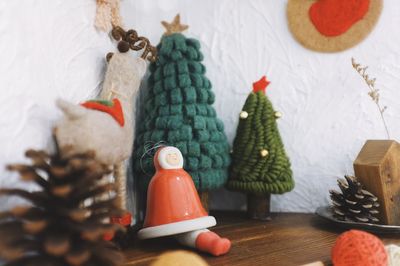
[(178, 111), (260, 166)]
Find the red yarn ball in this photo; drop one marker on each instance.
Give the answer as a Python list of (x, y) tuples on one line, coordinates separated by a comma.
[(359, 248)]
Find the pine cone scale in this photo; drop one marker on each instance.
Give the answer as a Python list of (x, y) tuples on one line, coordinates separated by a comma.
[(353, 202)]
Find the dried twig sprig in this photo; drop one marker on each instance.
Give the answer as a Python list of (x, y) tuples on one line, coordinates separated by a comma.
[(373, 92)]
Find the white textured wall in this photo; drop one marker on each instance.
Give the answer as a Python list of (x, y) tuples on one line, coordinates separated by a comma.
[(49, 49)]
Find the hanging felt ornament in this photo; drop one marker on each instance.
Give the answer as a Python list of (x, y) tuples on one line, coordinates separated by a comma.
[(105, 125), (107, 15)]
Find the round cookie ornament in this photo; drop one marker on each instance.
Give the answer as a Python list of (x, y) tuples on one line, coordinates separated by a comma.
[(332, 25)]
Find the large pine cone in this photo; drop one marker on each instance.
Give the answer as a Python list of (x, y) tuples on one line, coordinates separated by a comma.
[(63, 225), (353, 202)]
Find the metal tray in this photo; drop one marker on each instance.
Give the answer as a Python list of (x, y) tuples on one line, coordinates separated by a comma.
[(325, 212)]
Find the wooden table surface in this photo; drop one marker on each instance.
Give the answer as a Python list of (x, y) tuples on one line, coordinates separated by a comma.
[(289, 239)]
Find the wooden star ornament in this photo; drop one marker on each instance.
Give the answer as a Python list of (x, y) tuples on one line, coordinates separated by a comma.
[(175, 26)]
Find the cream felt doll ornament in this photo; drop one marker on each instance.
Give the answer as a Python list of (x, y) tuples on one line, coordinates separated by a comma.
[(174, 207), (105, 125)]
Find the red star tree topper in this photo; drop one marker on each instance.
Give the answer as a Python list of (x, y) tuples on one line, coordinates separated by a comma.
[(261, 85)]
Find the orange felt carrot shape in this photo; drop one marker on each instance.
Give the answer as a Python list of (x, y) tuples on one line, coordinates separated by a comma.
[(113, 108)]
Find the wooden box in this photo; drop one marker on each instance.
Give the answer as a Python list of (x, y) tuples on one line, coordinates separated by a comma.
[(378, 168)]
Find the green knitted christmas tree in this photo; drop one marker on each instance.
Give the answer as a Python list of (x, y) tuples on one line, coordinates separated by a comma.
[(260, 166), (178, 111)]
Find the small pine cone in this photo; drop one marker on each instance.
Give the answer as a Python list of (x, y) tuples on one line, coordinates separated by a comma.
[(353, 202), (62, 225)]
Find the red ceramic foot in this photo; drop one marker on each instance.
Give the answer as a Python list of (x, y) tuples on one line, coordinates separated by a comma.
[(125, 221), (109, 236), (210, 242)]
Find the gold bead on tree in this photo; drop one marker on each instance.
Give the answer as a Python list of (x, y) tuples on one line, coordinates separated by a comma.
[(278, 114), (244, 115), (264, 153)]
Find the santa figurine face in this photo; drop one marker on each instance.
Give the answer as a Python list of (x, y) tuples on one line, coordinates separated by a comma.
[(170, 158)]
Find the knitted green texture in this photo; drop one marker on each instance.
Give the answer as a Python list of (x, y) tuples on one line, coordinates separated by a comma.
[(251, 172), (178, 110)]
